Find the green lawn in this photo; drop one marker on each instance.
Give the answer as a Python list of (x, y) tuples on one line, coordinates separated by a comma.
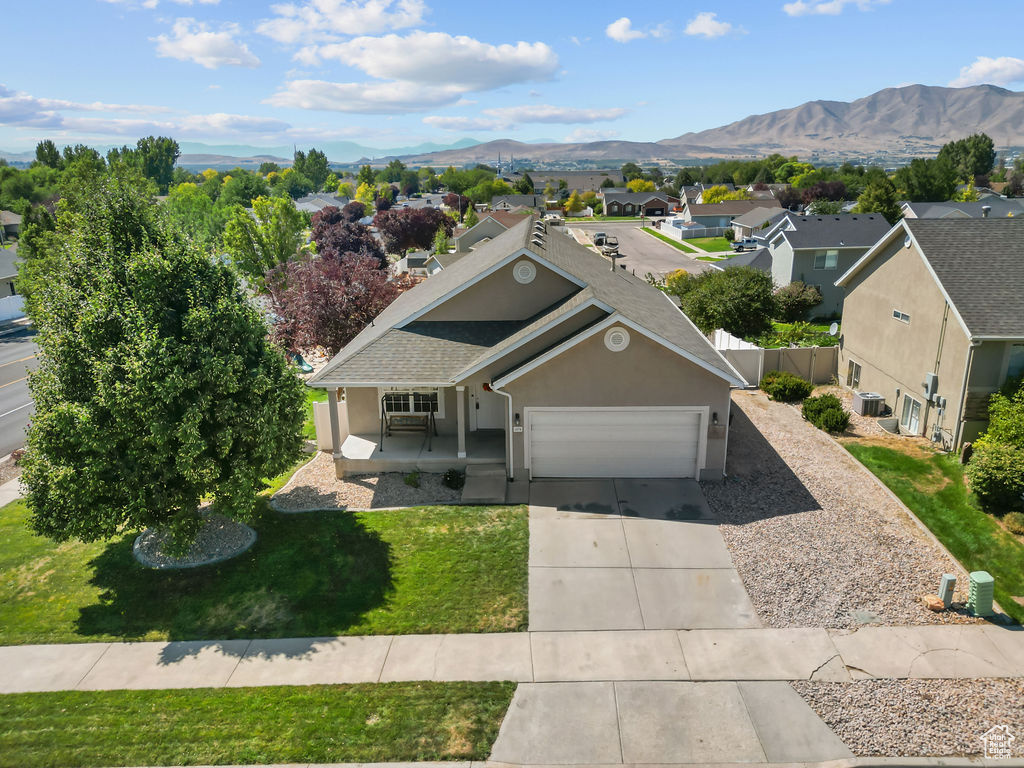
[(313, 395), (933, 487), (669, 240), (434, 569), (712, 259), (386, 722), (713, 244), (600, 217)]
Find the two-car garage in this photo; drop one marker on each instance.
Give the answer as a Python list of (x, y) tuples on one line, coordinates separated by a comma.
[(616, 442)]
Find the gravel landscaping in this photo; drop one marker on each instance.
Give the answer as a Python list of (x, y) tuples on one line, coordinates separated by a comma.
[(218, 540), (904, 718), (315, 486), (816, 541)]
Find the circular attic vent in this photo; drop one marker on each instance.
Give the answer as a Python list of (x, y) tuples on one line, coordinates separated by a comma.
[(616, 339), (524, 272)]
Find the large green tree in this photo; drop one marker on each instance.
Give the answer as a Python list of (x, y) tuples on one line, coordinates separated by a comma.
[(157, 387), (269, 236), (314, 166), (970, 157), (926, 180), (739, 299), (47, 154), (153, 156), (879, 196)]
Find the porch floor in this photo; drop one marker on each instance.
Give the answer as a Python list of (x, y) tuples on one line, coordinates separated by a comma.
[(405, 452)]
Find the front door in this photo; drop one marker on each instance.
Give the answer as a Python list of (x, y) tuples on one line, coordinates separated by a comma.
[(488, 409)]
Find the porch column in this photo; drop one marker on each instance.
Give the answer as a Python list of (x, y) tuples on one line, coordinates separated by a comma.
[(460, 414), (332, 406)]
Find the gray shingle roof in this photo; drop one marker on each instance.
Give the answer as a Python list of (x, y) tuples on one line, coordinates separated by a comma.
[(845, 230), (529, 201), (636, 198), (759, 258), (724, 208), (9, 261), (758, 216), (1000, 208), (980, 264)]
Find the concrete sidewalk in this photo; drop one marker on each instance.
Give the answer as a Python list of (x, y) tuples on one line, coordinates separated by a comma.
[(10, 491), (942, 652)]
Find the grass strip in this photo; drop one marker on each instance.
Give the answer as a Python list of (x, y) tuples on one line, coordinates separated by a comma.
[(669, 240), (279, 724), (712, 244), (933, 488)]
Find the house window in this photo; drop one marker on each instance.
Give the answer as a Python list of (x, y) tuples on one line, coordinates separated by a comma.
[(13, 291), (826, 259), (1015, 362), (853, 375), (903, 317), (910, 419), (413, 401)]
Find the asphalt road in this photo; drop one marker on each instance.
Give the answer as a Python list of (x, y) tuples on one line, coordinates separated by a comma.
[(17, 357), (642, 252)]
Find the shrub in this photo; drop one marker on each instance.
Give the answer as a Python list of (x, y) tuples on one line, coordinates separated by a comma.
[(826, 412), (796, 300), (785, 387), (996, 474), (413, 479), (741, 300), (1014, 522), (453, 479)]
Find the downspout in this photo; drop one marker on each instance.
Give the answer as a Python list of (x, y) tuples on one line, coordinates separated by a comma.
[(975, 343), (509, 463)]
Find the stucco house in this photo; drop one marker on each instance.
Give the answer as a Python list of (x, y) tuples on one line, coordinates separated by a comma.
[(532, 351), (719, 214), (934, 322), (817, 249), (508, 202), (625, 203), (759, 218), (490, 226)]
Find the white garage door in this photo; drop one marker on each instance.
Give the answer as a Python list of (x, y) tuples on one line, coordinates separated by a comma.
[(613, 442)]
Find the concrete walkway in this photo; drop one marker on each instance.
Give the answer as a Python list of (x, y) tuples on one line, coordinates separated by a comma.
[(10, 491)]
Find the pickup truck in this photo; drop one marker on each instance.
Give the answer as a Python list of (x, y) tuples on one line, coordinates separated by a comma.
[(745, 243)]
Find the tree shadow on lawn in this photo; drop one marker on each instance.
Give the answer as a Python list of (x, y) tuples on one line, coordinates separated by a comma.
[(306, 576)]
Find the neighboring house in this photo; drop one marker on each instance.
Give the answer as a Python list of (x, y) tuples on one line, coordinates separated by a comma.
[(719, 214), (508, 202), (626, 203), (817, 249), (989, 208), (934, 322), (689, 193), (10, 224), (760, 218), (319, 201), (533, 352), (413, 264), (439, 261), (489, 227), (8, 270), (586, 181), (760, 258)]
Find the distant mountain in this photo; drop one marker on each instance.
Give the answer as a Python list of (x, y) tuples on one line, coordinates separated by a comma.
[(197, 153)]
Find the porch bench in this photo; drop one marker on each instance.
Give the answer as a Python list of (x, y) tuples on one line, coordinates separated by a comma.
[(408, 422)]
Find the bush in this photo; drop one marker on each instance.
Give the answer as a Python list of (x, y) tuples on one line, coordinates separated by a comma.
[(785, 387), (413, 479), (796, 300), (996, 474), (741, 300), (1014, 522), (453, 479), (826, 412)]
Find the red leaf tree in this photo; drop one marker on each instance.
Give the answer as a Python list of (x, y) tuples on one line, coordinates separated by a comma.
[(405, 228), (337, 232)]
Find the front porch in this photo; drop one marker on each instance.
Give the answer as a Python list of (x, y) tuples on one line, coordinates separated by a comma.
[(363, 453)]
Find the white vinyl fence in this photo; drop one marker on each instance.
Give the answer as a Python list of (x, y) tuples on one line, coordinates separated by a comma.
[(819, 365), (12, 308), (689, 233)]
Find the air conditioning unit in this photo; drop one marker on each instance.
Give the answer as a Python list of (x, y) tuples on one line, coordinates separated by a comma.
[(868, 403)]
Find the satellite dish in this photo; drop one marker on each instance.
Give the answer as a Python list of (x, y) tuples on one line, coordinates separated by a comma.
[(833, 329)]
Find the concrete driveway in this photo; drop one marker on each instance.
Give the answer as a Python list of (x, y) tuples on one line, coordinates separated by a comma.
[(643, 253), (630, 554)]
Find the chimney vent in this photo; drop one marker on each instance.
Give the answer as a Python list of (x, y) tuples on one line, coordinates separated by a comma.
[(985, 211)]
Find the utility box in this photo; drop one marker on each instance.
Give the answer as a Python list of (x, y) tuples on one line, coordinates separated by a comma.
[(930, 385), (979, 600), (868, 403), (946, 587)]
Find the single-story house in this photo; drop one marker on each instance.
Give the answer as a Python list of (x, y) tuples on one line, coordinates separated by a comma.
[(581, 181), (8, 270), (618, 203), (413, 264), (759, 218), (989, 208), (719, 214), (534, 352), (10, 224), (508, 202), (489, 227), (934, 322), (320, 200), (817, 249)]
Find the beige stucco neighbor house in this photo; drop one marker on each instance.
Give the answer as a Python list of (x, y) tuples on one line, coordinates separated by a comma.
[(533, 351), (934, 321)]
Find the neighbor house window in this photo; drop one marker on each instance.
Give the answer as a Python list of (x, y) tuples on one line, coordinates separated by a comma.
[(853, 375), (413, 401), (1015, 363), (910, 419), (903, 317), (826, 259)]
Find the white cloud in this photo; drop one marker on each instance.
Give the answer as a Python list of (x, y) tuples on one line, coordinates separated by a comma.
[(827, 7), (194, 41), (463, 123), (500, 118), (327, 19), (621, 31), (438, 58), (707, 25), (1002, 71), (368, 98), (589, 134), (153, 3), (20, 108)]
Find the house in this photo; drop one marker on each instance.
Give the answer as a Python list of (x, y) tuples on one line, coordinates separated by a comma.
[(10, 225), (719, 214), (490, 226), (817, 249), (759, 258), (508, 202), (625, 203), (8, 270), (531, 352), (414, 264), (317, 202), (989, 208), (759, 218), (934, 321), (439, 261), (581, 181)]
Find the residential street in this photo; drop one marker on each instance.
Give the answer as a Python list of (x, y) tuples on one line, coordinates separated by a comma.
[(17, 356), (643, 253)]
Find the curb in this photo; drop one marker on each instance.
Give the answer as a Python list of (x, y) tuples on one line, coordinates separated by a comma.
[(853, 762)]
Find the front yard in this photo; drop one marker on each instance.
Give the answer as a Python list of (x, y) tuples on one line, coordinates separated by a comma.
[(424, 570), (386, 722), (712, 244), (666, 239)]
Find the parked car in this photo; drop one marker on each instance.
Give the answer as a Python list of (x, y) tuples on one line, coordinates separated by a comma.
[(554, 219), (610, 246), (599, 238), (745, 243)]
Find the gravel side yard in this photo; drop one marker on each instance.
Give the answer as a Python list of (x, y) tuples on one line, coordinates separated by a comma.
[(815, 540), (917, 717), (315, 486)]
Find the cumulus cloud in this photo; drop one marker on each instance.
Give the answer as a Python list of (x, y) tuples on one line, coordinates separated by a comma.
[(1002, 71), (154, 3), (827, 7), (368, 98), (589, 134), (503, 118), (707, 25), (328, 19), (195, 41), (20, 108), (462, 123), (621, 31)]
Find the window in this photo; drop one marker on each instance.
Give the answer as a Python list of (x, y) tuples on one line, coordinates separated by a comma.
[(413, 401), (826, 259), (853, 375), (1015, 361), (910, 420), (903, 317)]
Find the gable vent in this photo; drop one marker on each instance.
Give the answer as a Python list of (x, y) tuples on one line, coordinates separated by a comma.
[(524, 272), (616, 339)]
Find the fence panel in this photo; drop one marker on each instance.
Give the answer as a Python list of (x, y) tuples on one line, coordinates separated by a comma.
[(12, 308), (816, 364)]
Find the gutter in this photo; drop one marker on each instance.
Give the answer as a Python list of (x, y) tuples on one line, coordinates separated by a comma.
[(509, 463), (975, 343)]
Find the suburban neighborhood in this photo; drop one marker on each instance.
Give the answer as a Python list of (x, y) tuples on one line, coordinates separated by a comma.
[(357, 443)]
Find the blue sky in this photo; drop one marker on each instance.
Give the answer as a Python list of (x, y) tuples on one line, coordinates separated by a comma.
[(388, 73)]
